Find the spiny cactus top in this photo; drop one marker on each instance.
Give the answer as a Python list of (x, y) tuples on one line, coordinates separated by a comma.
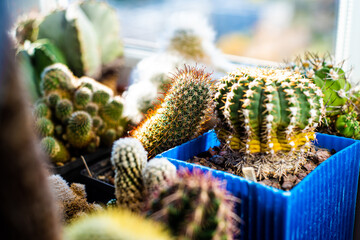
[(180, 116), (268, 110), (115, 224), (129, 158), (79, 129), (197, 207), (57, 78)]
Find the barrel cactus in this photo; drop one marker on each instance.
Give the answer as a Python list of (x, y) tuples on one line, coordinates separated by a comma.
[(182, 113), (129, 158), (55, 150), (268, 110), (197, 206), (348, 126), (79, 130)]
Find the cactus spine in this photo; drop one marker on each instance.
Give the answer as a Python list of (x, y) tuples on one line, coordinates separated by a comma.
[(196, 207), (129, 158), (180, 116), (268, 110)]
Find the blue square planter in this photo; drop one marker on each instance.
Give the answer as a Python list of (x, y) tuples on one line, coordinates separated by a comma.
[(321, 206)]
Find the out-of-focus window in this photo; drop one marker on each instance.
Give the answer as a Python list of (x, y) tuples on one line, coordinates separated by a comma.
[(264, 29)]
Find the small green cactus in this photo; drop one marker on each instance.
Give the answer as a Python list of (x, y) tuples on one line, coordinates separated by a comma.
[(78, 131), (101, 97), (52, 99), (63, 110), (268, 110), (111, 112), (44, 127), (92, 109), (82, 98), (196, 207), (97, 122), (55, 150), (158, 174), (41, 110), (129, 158), (109, 137), (181, 115), (348, 126), (115, 224)]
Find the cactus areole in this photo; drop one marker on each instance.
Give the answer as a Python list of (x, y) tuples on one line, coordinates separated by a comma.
[(268, 110)]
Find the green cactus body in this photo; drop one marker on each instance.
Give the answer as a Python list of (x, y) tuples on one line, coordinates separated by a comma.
[(129, 158), (269, 110), (78, 130), (196, 207), (44, 127), (101, 97), (82, 97), (97, 122), (63, 110), (55, 150), (101, 14), (57, 78), (188, 44), (111, 112), (180, 116), (52, 99), (41, 110), (348, 126), (92, 109), (109, 137), (158, 174), (115, 224), (330, 78)]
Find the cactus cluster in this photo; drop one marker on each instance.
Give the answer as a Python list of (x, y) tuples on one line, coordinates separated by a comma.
[(135, 179), (115, 224), (181, 114), (197, 206), (70, 118)]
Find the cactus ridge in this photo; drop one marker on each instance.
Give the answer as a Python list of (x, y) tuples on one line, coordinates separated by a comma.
[(268, 110), (129, 158), (182, 113)]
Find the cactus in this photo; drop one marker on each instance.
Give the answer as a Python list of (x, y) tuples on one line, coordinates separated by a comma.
[(328, 76), (55, 150), (92, 109), (41, 110), (115, 224), (27, 28), (57, 78), (101, 97), (111, 112), (268, 110), (180, 116), (197, 206), (186, 42), (348, 126), (44, 127), (82, 98), (129, 158), (63, 110), (109, 137), (158, 174), (52, 99), (78, 130)]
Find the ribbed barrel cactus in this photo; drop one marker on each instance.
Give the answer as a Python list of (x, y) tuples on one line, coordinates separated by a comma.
[(197, 207), (182, 113), (268, 110)]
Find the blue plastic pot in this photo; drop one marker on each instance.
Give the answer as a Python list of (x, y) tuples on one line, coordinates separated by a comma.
[(321, 206)]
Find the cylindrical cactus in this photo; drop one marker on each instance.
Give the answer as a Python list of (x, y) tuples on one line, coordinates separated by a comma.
[(197, 206), (268, 110), (129, 158), (55, 150), (348, 126), (158, 174), (44, 127), (180, 116), (78, 130), (115, 224), (63, 110)]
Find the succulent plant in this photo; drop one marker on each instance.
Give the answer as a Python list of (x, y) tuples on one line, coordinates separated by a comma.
[(348, 125), (196, 207), (82, 97), (101, 97), (78, 132), (92, 109), (64, 109), (27, 28), (109, 136), (129, 158), (158, 174), (44, 127), (53, 99), (41, 110), (55, 150), (115, 224), (111, 112), (180, 116), (268, 110)]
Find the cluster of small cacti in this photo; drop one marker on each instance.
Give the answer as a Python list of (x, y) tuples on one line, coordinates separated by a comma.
[(115, 224), (134, 177), (196, 207), (181, 115), (75, 36), (75, 114), (71, 200)]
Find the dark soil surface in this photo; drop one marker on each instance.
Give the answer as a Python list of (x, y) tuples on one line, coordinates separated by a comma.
[(224, 159)]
